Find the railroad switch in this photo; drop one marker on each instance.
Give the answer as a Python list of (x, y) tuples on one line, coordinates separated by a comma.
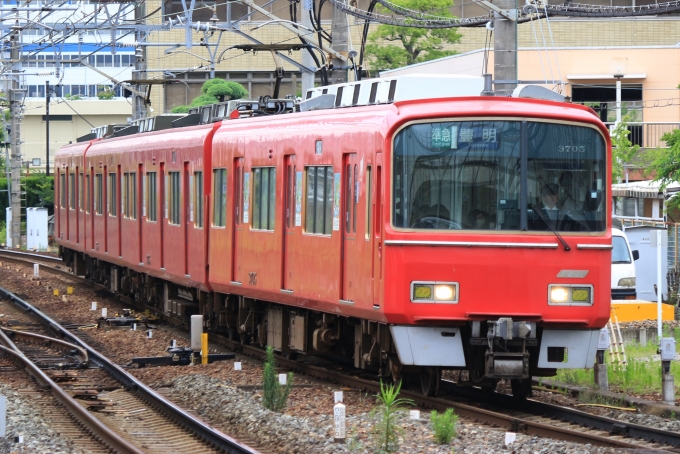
[(178, 356), (125, 318)]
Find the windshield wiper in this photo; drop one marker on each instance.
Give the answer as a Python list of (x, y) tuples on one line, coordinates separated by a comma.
[(559, 237)]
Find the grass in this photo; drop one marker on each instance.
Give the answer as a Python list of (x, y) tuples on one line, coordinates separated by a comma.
[(444, 426), (641, 375), (386, 432)]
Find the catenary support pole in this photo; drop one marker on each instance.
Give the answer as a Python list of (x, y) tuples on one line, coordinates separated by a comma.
[(47, 128), (340, 44), (15, 105), (505, 48), (307, 59)]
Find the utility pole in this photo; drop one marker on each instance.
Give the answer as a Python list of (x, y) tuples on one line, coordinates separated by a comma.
[(138, 105), (307, 59), (340, 44), (47, 128), (15, 100), (505, 46)]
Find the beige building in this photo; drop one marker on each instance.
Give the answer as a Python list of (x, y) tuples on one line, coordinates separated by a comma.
[(68, 121)]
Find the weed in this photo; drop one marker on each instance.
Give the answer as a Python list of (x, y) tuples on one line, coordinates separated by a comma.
[(353, 443), (275, 396), (444, 426), (386, 432)]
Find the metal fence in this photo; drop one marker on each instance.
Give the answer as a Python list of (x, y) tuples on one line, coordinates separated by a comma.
[(648, 135)]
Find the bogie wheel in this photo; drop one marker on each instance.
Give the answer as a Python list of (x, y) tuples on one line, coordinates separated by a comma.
[(489, 385), (232, 333), (521, 388), (292, 355), (245, 338), (429, 380)]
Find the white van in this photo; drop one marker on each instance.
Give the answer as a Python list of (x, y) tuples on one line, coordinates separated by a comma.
[(623, 268)]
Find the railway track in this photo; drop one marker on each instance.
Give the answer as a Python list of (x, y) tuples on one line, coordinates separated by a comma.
[(536, 418), (118, 398)]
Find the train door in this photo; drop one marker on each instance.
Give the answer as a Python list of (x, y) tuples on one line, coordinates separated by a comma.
[(378, 222), (351, 258), (118, 209), (138, 204), (185, 194), (238, 219), (164, 211), (289, 221)]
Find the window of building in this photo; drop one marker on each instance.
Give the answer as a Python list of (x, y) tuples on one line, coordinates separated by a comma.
[(173, 212), (98, 194), (62, 190), (264, 198), (220, 197), (111, 189), (151, 196), (130, 195), (319, 209), (198, 199)]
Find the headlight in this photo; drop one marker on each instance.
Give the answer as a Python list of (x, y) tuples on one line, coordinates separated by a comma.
[(434, 292), (627, 282), (570, 295)]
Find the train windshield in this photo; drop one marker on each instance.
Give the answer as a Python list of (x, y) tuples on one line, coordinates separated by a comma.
[(499, 175)]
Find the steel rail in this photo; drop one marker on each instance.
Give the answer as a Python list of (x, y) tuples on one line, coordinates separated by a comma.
[(107, 436), (207, 433), (57, 344), (566, 414), (47, 258), (509, 422)]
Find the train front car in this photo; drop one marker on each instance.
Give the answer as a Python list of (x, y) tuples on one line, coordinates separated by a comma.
[(497, 251)]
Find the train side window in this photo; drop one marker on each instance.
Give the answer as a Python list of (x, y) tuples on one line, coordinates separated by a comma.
[(264, 198), (368, 202), (87, 193), (173, 215), (319, 205), (130, 195), (356, 199), (219, 197), (81, 191), (111, 190), (62, 190), (72, 191), (151, 197), (98, 194), (348, 199), (198, 199)]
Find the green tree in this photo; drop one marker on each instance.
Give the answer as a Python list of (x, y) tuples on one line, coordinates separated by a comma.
[(386, 432), (213, 91), (623, 150), (275, 396), (414, 44), (664, 163)]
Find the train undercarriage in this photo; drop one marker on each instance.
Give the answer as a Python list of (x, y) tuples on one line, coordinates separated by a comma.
[(491, 350)]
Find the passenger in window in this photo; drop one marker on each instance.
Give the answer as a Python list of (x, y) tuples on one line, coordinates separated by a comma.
[(478, 220), (569, 205), (549, 194)]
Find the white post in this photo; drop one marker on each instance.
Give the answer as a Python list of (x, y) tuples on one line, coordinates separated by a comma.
[(104, 312), (339, 422), (618, 100), (36, 270), (3, 416), (659, 288)]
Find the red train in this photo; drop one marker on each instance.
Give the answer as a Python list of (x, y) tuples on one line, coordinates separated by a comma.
[(468, 233)]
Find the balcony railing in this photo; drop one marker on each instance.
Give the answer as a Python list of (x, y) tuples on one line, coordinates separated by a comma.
[(648, 135)]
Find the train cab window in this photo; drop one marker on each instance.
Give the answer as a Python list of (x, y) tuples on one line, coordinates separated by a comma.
[(62, 190), (219, 197), (264, 198), (349, 175), (566, 178), (369, 195), (81, 191), (111, 191), (319, 205), (198, 199), (151, 196), (98, 194), (174, 202), (129, 190), (87, 193)]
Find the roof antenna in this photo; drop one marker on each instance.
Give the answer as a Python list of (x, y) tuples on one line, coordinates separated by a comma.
[(488, 87)]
